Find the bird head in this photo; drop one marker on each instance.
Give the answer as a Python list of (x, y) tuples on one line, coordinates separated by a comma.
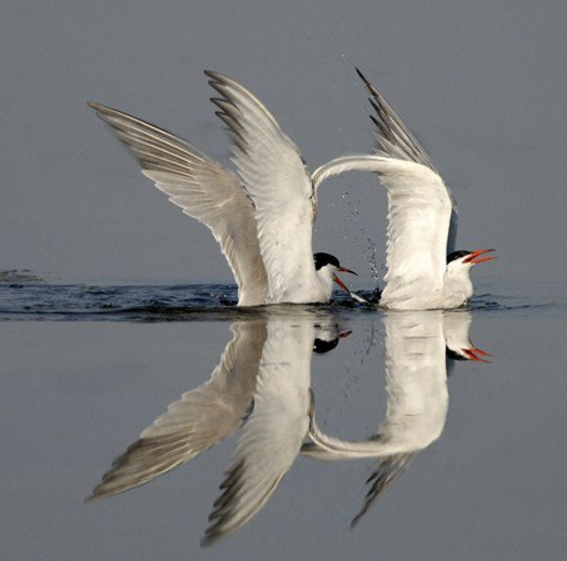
[(458, 287), (467, 259), (327, 264)]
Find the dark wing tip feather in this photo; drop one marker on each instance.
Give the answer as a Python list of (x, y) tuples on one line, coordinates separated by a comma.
[(391, 128), (385, 473), (221, 84), (224, 508), (364, 79)]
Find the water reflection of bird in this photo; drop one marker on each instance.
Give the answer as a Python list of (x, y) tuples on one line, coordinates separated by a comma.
[(424, 270), (417, 396), (263, 217), (199, 420), (456, 326), (274, 433), (261, 385)]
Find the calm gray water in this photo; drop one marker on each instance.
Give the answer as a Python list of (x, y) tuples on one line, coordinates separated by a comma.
[(433, 458)]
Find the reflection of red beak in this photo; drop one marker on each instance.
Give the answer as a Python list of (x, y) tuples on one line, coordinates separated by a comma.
[(473, 257), (472, 353)]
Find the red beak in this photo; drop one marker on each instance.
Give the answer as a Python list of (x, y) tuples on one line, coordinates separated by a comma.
[(345, 270), (340, 282), (473, 258)]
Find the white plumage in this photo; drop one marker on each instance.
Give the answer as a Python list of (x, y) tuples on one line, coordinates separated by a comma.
[(423, 272), (261, 217)]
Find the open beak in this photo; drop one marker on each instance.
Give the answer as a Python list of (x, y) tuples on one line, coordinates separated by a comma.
[(345, 270), (478, 355), (353, 295), (474, 258), (340, 282)]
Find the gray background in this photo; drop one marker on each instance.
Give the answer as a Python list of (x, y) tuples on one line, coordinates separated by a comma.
[(481, 83)]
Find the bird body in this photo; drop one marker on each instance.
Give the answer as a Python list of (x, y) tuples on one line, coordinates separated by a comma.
[(262, 216), (422, 270)]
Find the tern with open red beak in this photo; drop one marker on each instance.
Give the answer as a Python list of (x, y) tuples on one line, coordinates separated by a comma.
[(423, 269)]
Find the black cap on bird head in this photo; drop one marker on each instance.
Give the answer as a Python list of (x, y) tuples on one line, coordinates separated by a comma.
[(472, 257), (457, 255), (321, 259)]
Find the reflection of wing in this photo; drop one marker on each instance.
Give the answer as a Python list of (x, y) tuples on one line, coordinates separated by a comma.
[(416, 384), (382, 477), (199, 420), (416, 379), (417, 392), (280, 186), (273, 434), (204, 189)]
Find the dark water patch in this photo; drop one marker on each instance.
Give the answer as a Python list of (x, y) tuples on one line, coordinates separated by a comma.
[(42, 301), (19, 277), (144, 303)]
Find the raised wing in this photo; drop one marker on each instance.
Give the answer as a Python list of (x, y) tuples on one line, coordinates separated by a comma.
[(204, 189), (198, 421), (273, 434), (422, 212), (274, 174), (419, 214), (394, 138)]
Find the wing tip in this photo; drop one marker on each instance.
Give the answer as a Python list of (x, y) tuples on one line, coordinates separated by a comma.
[(103, 111), (362, 76), (100, 109)]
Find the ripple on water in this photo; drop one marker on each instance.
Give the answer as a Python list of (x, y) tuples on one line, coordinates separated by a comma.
[(33, 300)]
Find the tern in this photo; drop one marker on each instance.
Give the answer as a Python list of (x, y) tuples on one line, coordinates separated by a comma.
[(263, 215), (423, 269)]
